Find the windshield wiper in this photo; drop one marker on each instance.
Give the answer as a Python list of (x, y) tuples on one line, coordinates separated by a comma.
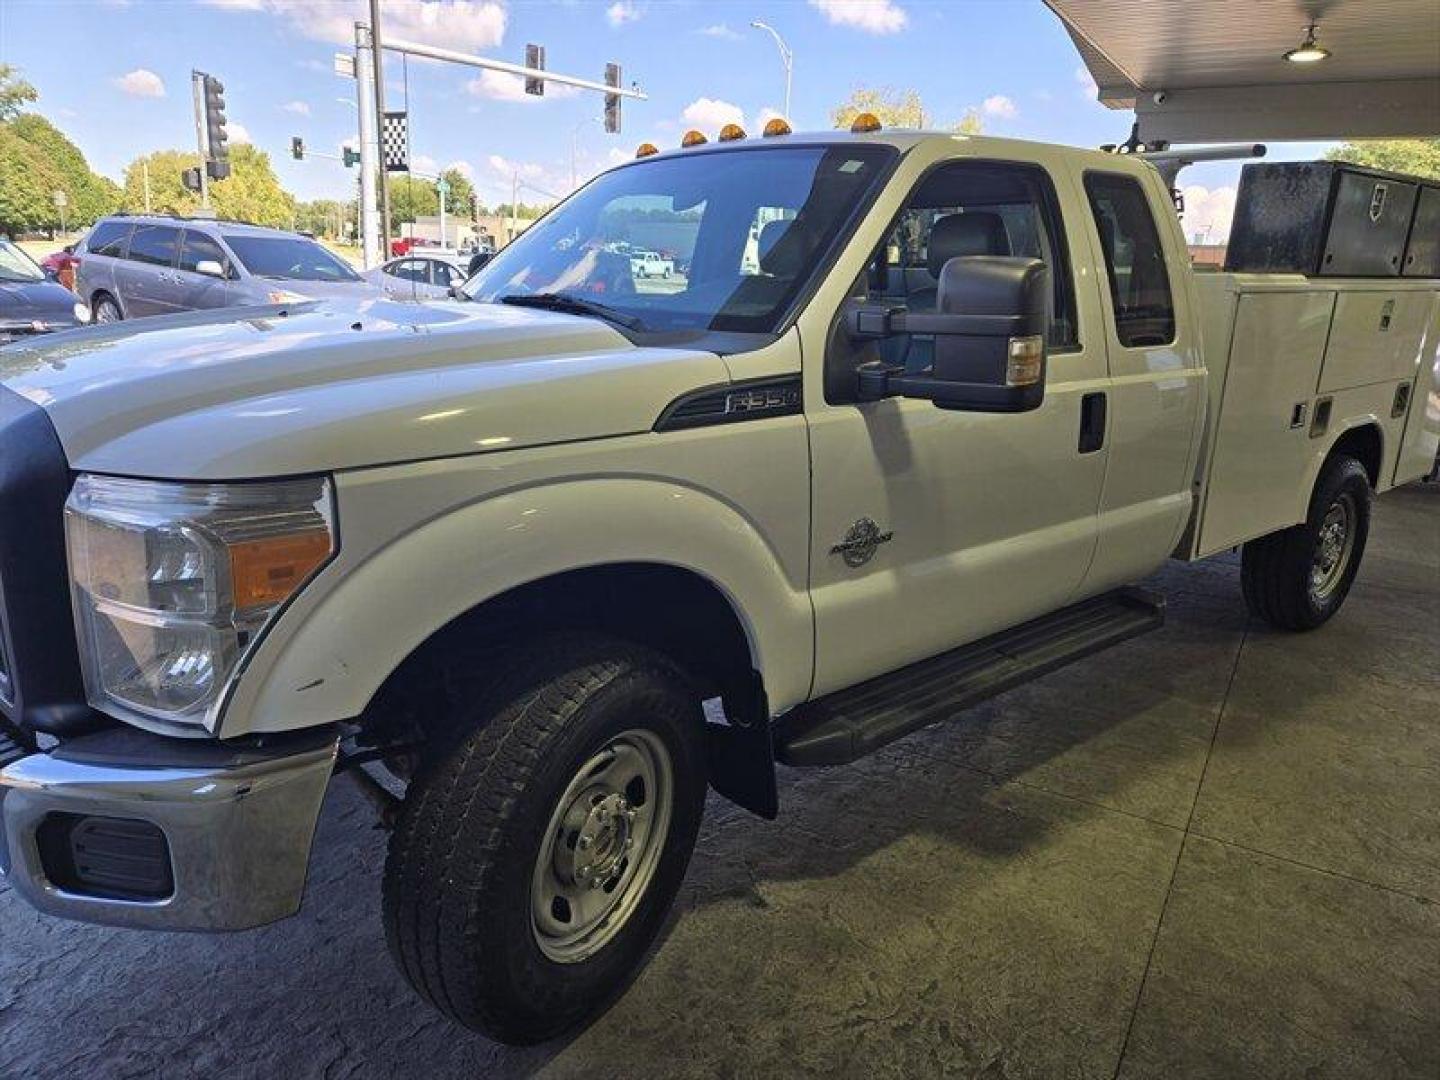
[(573, 305)]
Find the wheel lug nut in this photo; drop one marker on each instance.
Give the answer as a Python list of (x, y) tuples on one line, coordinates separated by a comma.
[(585, 843)]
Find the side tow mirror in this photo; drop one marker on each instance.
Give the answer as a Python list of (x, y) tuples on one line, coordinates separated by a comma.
[(989, 326)]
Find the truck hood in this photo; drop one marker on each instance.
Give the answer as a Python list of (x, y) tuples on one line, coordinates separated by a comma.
[(321, 386)]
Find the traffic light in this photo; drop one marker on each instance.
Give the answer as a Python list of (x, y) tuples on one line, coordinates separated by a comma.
[(535, 58), (612, 101), (297, 148), (350, 156), (216, 137)]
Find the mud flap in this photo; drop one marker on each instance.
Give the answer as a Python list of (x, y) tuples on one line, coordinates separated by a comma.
[(742, 752)]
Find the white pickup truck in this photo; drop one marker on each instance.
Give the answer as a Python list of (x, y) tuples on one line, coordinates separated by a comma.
[(555, 560)]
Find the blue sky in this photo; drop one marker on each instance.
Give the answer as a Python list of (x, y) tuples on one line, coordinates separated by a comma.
[(114, 75)]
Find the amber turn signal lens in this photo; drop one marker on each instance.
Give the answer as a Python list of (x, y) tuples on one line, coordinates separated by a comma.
[(775, 126), (646, 149), (865, 123), (693, 138), (1026, 361), (269, 570), (731, 132)]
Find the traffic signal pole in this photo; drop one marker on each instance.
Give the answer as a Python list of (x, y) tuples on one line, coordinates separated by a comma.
[(197, 86), (377, 50)]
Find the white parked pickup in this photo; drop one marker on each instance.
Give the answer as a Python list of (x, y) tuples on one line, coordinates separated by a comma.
[(497, 552)]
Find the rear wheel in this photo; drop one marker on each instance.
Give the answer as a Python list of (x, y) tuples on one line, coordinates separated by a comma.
[(106, 310), (535, 857), (1298, 578)]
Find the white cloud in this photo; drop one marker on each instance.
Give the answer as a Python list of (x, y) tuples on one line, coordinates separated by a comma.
[(871, 16), (502, 86), (615, 156), (712, 114), (720, 30), (141, 83), (237, 134), (622, 12), (1208, 213), (468, 25), (464, 168), (1088, 89), (424, 163), (527, 170), (1000, 107), (299, 108)]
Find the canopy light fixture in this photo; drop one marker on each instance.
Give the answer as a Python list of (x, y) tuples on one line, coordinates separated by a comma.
[(1309, 51)]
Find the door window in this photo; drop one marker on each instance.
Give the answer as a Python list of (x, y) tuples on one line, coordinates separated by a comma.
[(156, 245), (443, 274), (1134, 260), (977, 208), (410, 270), (200, 248), (108, 239)]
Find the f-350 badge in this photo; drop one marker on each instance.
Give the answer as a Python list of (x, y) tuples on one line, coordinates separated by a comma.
[(861, 542)]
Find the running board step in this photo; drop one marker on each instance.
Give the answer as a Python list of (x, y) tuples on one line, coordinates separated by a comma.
[(847, 725)]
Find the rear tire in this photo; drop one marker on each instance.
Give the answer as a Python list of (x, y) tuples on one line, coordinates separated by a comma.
[(538, 851), (1298, 578), (105, 310)]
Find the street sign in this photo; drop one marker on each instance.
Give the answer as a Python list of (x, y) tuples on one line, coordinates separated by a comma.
[(442, 187), (61, 200), (395, 142), (345, 65)]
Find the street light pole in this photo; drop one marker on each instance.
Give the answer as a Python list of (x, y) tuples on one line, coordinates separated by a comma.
[(787, 57), (377, 65)]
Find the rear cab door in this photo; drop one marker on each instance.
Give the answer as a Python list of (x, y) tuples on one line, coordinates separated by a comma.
[(147, 279), (1156, 398)]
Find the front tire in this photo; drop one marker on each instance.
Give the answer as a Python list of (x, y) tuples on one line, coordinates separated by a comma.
[(105, 310), (536, 856), (1298, 578)]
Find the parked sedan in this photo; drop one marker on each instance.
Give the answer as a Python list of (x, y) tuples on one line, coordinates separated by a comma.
[(419, 277), (136, 266), (29, 302)]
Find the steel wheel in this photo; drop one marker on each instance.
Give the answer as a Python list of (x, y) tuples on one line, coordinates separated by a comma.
[(601, 847), (1333, 547)]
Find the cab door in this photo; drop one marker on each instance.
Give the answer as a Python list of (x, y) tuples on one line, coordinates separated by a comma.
[(968, 523), (197, 291), (146, 277)]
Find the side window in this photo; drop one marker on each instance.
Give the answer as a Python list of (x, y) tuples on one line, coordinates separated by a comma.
[(157, 245), (1134, 260), (410, 270), (977, 208), (201, 248), (442, 274), (108, 239)]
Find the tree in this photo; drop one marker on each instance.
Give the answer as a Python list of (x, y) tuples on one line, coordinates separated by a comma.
[(411, 199), (15, 92), (1418, 157), (89, 195), (252, 193), (457, 202), (28, 182), (325, 217), (899, 109)]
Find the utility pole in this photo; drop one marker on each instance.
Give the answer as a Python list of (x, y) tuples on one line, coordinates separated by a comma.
[(373, 248), (377, 61), (197, 86), (145, 174)]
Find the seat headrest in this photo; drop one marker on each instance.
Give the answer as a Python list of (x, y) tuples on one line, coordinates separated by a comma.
[(976, 233), (782, 248)]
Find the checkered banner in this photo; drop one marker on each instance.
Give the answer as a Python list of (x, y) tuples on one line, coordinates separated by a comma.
[(395, 142)]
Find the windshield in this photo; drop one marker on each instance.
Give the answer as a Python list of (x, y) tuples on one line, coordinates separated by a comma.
[(15, 265), (717, 241), (289, 258)]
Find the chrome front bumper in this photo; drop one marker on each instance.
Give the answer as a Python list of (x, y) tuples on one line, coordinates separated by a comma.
[(237, 828)]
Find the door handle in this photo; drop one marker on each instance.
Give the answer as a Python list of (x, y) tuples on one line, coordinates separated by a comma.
[(1092, 422)]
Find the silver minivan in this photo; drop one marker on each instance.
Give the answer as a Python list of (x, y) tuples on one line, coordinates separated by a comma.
[(134, 266)]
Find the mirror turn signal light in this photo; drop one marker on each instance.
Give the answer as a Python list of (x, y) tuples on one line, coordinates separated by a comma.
[(1025, 360), (776, 126), (646, 149), (731, 132), (693, 138), (865, 123)]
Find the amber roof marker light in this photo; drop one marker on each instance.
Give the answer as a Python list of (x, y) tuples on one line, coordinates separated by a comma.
[(693, 138), (646, 149), (776, 125), (865, 123), (731, 133), (1310, 51)]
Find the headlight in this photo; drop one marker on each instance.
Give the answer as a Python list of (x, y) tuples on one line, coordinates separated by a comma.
[(81, 311), (173, 584)]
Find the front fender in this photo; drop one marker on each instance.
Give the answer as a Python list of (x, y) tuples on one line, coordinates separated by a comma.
[(393, 587)]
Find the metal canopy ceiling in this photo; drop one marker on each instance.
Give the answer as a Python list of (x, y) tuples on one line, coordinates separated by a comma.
[(1212, 70)]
